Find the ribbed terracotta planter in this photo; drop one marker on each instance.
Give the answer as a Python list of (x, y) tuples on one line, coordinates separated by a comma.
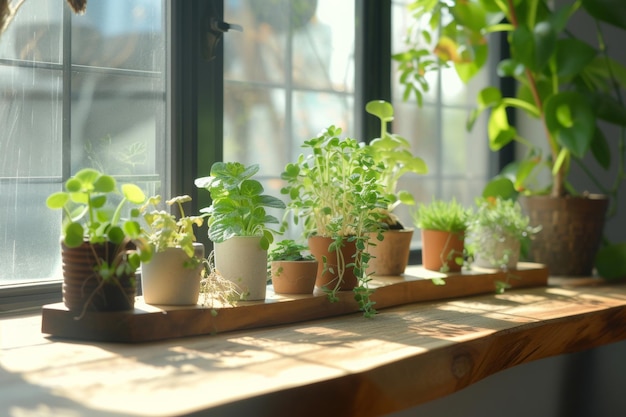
[(294, 277), (571, 231), (391, 255), (81, 282), (441, 248), (328, 278)]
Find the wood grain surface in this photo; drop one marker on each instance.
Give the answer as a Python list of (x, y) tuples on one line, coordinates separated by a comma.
[(150, 323), (341, 366)]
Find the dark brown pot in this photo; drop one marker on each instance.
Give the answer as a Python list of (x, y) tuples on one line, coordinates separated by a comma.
[(328, 278), (571, 232), (441, 248), (391, 256), (81, 282)]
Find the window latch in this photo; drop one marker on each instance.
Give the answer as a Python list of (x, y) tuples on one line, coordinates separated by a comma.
[(216, 28)]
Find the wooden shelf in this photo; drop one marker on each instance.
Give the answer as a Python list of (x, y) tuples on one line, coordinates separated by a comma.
[(340, 366), (149, 322)]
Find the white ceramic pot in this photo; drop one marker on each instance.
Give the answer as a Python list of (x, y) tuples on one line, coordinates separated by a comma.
[(166, 281), (242, 261), (497, 253)]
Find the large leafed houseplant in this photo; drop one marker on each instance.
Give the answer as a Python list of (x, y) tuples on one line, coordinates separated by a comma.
[(571, 86)]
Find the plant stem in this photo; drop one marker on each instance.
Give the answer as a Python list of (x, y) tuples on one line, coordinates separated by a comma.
[(558, 186)]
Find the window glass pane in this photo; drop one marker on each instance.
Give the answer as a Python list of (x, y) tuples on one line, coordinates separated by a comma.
[(119, 34), (31, 105), (314, 111), (35, 33), (115, 122), (457, 159), (100, 103), (288, 75)]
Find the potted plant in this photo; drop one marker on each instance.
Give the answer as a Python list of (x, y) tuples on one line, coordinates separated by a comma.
[(443, 225), (336, 191), (238, 225), (100, 250), (172, 277), (497, 232), (393, 152), (292, 268), (569, 85)]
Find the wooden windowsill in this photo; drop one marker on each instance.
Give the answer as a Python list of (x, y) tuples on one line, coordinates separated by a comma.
[(340, 366)]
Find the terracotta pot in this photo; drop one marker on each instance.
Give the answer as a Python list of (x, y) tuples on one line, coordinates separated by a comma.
[(294, 277), (166, 281), (391, 256), (242, 261), (81, 282), (327, 274), (441, 248), (571, 231)]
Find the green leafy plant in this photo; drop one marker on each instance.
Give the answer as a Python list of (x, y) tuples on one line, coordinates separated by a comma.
[(167, 231), (329, 187), (447, 216), (89, 216), (336, 191), (238, 203), (498, 232), (503, 217), (394, 154), (565, 82), (289, 250)]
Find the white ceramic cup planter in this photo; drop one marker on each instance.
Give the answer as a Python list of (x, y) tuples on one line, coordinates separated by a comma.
[(165, 280), (242, 261)]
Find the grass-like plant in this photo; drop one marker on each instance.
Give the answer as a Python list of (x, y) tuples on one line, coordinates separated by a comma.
[(447, 216)]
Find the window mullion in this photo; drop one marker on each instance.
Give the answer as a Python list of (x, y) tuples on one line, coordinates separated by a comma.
[(66, 130), (373, 61)]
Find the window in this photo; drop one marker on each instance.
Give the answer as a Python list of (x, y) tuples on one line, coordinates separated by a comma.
[(76, 91), (126, 88), (458, 161)]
